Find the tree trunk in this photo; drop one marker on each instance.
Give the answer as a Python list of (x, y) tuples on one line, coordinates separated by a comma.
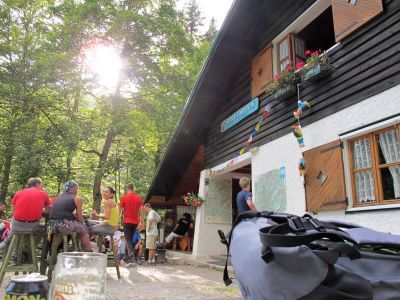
[(69, 162), (100, 169), (9, 154), (111, 134)]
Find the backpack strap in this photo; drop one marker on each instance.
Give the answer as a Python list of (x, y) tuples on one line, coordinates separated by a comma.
[(226, 239), (303, 231)]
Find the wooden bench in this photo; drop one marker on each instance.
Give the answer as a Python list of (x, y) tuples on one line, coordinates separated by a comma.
[(56, 241), (111, 257), (184, 243), (18, 239)]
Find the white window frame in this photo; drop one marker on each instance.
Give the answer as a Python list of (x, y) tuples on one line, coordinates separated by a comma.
[(346, 163)]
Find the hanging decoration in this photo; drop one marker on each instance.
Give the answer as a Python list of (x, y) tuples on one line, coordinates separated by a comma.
[(297, 132), (266, 113), (302, 167), (301, 106)]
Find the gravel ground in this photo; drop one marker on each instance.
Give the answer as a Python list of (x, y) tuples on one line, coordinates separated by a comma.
[(165, 281)]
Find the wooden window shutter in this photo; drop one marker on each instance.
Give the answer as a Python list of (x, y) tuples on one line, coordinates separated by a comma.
[(325, 184), (348, 16), (261, 71)]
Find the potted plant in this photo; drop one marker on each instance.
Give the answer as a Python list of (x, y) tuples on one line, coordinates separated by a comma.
[(192, 199), (315, 66), (283, 83)]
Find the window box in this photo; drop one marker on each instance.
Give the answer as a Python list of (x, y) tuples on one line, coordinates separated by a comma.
[(284, 92), (316, 72)]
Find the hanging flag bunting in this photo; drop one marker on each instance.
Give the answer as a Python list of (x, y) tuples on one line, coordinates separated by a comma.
[(297, 132), (249, 141), (267, 111)]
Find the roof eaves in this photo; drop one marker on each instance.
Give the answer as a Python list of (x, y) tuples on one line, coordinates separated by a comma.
[(190, 101)]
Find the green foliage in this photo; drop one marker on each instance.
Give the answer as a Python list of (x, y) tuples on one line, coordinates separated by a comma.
[(55, 121)]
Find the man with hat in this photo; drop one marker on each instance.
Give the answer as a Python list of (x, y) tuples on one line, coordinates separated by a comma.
[(153, 218), (66, 215)]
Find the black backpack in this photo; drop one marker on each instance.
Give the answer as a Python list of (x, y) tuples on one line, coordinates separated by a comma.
[(282, 256)]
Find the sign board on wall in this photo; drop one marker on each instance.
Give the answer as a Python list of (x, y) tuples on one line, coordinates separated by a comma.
[(218, 202), (270, 191), (240, 114)]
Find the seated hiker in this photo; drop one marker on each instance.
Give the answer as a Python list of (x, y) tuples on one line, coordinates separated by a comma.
[(181, 228), (110, 216), (66, 215), (137, 246), (28, 207)]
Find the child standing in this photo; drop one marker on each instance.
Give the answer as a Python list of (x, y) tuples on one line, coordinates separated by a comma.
[(121, 249)]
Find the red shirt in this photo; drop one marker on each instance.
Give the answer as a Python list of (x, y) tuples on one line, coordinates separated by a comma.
[(131, 204), (29, 204), (52, 200)]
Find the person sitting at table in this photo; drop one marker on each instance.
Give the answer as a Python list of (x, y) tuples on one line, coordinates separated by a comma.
[(137, 246), (180, 229), (66, 215), (28, 206), (110, 216)]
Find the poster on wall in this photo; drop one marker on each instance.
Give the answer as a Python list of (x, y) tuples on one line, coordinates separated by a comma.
[(218, 206), (270, 191)]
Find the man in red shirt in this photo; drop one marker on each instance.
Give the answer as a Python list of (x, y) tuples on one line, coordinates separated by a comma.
[(132, 209), (28, 206)]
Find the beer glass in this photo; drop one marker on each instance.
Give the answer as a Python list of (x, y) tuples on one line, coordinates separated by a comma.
[(79, 276)]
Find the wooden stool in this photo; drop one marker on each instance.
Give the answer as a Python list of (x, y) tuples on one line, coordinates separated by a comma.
[(184, 243), (112, 262), (57, 239), (19, 267)]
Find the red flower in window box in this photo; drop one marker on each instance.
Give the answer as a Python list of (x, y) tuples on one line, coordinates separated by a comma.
[(192, 199), (315, 65), (282, 80)]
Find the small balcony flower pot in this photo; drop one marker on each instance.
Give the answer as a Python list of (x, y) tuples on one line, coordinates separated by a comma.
[(316, 72), (196, 203), (284, 92)]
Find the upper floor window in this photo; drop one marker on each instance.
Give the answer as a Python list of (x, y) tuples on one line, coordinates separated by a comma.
[(375, 167), (292, 48)]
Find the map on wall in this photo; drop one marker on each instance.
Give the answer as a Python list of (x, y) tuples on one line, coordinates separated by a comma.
[(218, 202), (270, 191)]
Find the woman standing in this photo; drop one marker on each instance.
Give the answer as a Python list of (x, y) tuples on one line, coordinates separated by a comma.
[(110, 216)]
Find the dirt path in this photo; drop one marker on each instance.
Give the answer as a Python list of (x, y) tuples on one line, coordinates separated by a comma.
[(165, 281)]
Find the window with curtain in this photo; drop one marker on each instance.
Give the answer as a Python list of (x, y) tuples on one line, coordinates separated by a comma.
[(375, 167), (284, 55)]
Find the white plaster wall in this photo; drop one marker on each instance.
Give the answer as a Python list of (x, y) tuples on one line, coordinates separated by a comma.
[(206, 240), (286, 152)]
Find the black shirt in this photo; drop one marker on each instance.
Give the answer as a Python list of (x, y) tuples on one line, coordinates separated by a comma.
[(64, 207), (183, 226)]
